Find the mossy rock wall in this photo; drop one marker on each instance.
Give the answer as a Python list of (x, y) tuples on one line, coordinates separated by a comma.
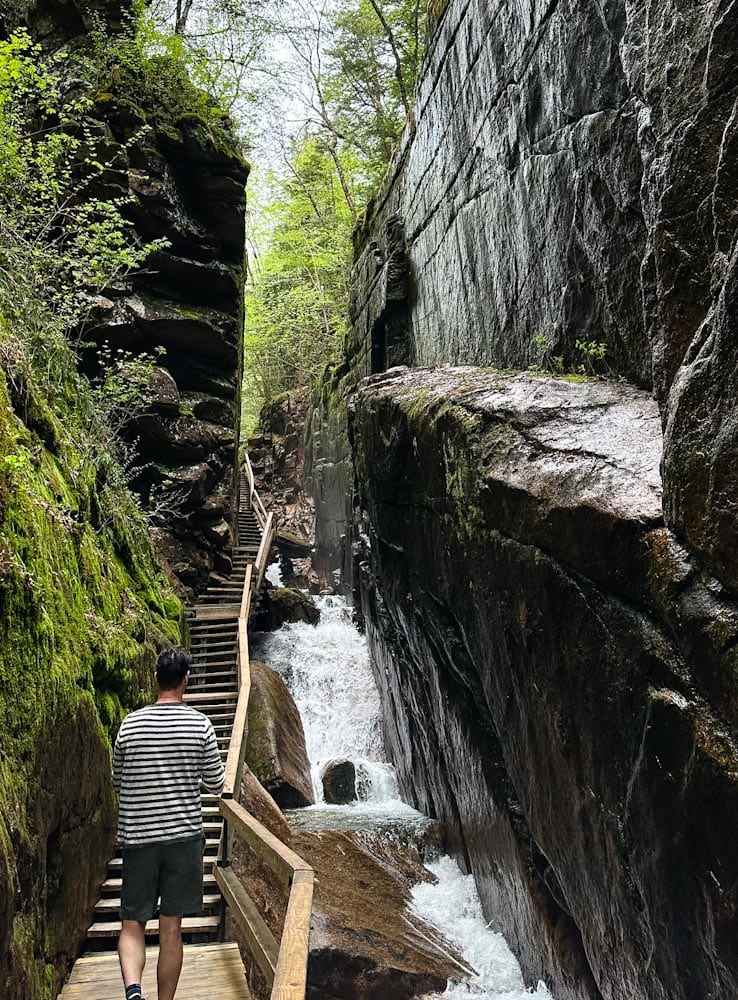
[(83, 607)]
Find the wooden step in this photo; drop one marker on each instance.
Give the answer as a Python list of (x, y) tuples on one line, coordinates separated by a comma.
[(208, 643), (112, 886), (214, 676), (190, 925), (202, 698), (111, 904)]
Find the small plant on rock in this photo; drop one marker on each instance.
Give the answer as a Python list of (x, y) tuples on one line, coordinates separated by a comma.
[(593, 354)]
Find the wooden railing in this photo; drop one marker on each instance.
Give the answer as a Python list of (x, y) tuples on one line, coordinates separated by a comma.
[(283, 964), (256, 504)]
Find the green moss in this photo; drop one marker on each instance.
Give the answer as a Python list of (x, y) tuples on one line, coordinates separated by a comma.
[(83, 611)]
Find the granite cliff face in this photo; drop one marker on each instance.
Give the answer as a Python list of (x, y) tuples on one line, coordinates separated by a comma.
[(180, 178), (558, 676), (570, 178), (547, 569)]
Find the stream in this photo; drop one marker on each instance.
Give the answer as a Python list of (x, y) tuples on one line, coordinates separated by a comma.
[(327, 670)]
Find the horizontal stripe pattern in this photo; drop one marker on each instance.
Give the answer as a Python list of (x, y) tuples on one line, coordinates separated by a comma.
[(162, 754)]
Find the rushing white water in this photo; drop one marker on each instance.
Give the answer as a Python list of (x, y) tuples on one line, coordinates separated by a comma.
[(452, 905), (327, 670), (274, 574)]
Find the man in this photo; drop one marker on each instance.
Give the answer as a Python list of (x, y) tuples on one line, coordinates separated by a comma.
[(162, 754)]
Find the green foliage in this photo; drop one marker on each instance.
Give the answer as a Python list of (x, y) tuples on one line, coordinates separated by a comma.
[(547, 360), (297, 293), (593, 354), (58, 243), (360, 59), (149, 66), (370, 74)]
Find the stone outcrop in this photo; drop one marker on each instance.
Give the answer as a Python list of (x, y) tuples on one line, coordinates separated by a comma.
[(557, 672), (278, 605), (329, 477), (185, 181), (275, 750), (277, 453), (569, 182), (278, 456), (365, 940)]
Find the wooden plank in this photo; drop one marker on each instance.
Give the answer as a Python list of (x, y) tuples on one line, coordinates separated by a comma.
[(260, 940), (290, 979), (283, 861), (246, 593), (190, 925), (266, 544), (208, 970), (237, 746), (216, 612)]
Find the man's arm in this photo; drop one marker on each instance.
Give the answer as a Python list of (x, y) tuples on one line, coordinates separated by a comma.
[(213, 772), (117, 762)]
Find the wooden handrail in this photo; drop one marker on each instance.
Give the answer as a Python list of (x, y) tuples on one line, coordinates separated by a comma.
[(237, 742), (281, 859), (284, 965), (260, 939), (290, 978), (258, 506), (263, 554)]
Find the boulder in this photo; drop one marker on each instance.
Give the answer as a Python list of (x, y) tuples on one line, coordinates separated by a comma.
[(282, 604), (558, 673), (275, 750), (365, 940), (339, 782)]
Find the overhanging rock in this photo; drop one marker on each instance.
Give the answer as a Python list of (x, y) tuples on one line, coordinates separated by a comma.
[(558, 674)]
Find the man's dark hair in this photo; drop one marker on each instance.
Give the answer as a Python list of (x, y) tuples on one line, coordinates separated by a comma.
[(172, 667)]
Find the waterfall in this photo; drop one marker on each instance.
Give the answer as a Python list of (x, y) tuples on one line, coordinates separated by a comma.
[(326, 668)]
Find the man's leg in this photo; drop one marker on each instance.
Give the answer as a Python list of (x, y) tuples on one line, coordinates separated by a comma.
[(170, 956), (132, 951)]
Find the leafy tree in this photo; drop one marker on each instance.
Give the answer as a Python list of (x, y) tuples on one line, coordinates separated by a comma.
[(297, 292), (355, 63), (360, 59)]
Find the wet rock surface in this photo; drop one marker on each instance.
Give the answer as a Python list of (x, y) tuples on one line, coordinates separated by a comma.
[(557, 673), (277, 453), (329, 477), (365, 942), (275, 750), (279, 605), (339, 782), (571, 181)]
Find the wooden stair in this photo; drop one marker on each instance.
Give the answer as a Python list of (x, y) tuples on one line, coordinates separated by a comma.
[(213, 690), (211, 970)]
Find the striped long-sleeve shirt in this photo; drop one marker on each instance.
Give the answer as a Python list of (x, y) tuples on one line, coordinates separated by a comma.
[(161, 755)]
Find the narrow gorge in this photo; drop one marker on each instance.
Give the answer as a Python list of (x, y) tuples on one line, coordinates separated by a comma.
[(498, 627)]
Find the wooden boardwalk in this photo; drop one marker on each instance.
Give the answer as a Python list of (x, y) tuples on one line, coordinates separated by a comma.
[(220, 682), (209, 970)]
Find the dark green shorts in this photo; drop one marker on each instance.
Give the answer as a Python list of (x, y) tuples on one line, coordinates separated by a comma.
[(172, 871)]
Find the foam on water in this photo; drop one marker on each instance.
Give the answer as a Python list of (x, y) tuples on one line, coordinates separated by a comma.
[(452, 905), (326, 667), (327, 670)]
